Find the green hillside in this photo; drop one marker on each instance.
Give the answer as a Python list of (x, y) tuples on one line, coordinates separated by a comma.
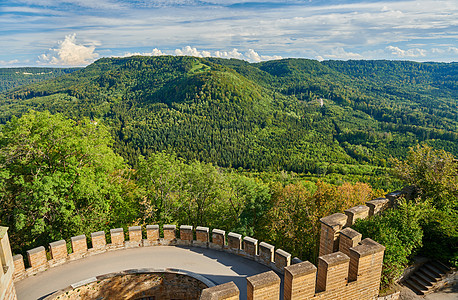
[(13, 77), (264, 116)]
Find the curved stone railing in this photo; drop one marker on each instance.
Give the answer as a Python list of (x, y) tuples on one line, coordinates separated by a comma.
[(348, 267)]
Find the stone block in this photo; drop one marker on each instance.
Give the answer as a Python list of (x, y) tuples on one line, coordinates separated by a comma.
[(169, 232), (135, 234), (355, 213), (186, 234), (202, 236), (348, 238), (264, 286), (226, 291), (332, 271), (218, 239), (79, 244), (99, 240), (330, 229), (117, 236), (377, 206), (366, 260), (58, 250), (152, 233), (250, 246), (37, 257), (266, 253), (282, 259), (234, 241), (19, 266), (300, 281)]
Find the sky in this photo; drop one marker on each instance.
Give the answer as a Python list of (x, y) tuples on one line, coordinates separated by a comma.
[(77, 32)]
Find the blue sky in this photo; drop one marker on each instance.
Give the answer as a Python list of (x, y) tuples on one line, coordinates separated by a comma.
[(77, 32)]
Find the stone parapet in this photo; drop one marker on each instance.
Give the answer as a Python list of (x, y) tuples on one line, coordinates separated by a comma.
[(202, 236), (226, 291), (300, 280), (169, 233), (117, 236), (330, 229), (218, 239), (58, 250), (99, 240), (250, 246), (37, 257), (234, 242), (264, 286), (282, 260), (377, 206), (186, 234), (348, 238), (355, 213), (79, 244), (332, 271), (266, 253)]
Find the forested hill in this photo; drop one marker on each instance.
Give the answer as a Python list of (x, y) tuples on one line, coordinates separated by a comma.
[(14, 77), (263, 116)]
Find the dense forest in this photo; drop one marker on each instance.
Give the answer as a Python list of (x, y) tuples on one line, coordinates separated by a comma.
[(295, 115), (14, 77), (262, 149)]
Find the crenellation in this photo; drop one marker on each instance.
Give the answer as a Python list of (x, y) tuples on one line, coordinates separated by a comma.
[(99, 240), (117, 237), (266, 253), (234, 242), (218, 239), (264, 286), (226, 291), (330, 229), (202, 237), (37, 257), (299, 282), (58, 250), (332, 271), (186, 235), (353, 272), (348, 238), (282, 260), (169, 234), (250, 246), (377, 206), (355, 213)]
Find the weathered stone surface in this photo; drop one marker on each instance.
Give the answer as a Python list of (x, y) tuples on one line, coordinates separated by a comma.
[(377, 206), (79, 244), (282, 259), (186, 233), (117, 236), (226, 291), (58, 250), (99, 240), (266, 253), (330, 229), (250, 246), (234, 241), (152, 233), (300, 281), (355, 213), (348, 238), (218, 239), (264, 286), (169, 232), (332, 271), (37, 257)]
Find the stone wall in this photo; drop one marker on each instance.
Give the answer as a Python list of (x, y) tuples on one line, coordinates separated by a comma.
[(132, 284), (348, 267), (7, 290)]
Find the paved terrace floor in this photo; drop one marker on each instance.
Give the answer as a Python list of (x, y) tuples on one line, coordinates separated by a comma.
[(219, 267)]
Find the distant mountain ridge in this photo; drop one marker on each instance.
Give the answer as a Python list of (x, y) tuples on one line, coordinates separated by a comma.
[(262, 116)]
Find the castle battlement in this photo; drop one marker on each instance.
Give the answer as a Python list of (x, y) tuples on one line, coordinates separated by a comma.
[(348, 267)]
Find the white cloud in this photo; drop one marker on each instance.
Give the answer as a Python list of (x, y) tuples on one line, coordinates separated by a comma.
[(415, 52), (250, 55), (69, 53), (155, 52), (339, 53)]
